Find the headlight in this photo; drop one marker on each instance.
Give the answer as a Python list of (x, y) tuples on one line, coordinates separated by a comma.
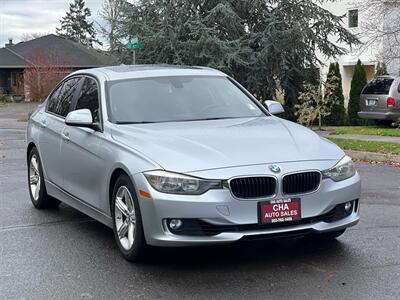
[(173, 183), (344, 169)]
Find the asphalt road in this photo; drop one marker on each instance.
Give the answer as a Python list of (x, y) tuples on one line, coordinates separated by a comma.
[(62, 254)]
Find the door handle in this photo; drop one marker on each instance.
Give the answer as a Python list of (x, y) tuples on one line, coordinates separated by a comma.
[(65, 136), (42, 123)]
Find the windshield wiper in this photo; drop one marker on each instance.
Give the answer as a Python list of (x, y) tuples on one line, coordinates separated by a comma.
[(216, 118), (184, 120), (132, 122)]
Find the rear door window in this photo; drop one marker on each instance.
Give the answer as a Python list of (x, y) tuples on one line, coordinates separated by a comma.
[(53, 99), (378, 86), (60, 101)]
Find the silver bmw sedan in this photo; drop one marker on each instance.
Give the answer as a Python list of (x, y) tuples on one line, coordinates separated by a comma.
[(183, 156)]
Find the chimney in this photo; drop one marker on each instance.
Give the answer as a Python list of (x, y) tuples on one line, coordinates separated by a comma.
[(10, 42)]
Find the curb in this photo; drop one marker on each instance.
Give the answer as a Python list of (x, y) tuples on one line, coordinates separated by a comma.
[(360, 155)]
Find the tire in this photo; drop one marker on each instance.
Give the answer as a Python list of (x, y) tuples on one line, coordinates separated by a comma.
[(127, 220), (386, 123), (331, 235), (37, 188)]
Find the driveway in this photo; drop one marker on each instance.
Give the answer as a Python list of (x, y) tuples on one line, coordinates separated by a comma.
[(62, 254)]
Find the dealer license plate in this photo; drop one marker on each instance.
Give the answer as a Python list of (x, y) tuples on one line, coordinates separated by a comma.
[(280, 210)]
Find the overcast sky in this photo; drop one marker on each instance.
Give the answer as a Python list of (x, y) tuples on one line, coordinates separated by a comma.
[(18, 17)]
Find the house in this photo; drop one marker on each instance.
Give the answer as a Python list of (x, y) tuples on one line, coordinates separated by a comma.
[(357, 19), (50, 51)]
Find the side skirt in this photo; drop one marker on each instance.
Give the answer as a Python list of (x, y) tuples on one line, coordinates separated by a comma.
[(78, 204)]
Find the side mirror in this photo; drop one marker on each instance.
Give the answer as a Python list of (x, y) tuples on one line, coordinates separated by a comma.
[(274, 107), (81, 118)]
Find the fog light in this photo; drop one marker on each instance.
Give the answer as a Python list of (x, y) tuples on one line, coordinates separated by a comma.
[(175, 224), (347, 206)]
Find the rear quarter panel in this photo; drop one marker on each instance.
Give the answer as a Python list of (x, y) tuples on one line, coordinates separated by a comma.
[(33, 127)]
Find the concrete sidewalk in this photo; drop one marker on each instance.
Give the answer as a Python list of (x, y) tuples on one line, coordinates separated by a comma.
[(375, 138), (366, 156)]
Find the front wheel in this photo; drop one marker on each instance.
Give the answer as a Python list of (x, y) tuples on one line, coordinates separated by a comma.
[(127, 220)]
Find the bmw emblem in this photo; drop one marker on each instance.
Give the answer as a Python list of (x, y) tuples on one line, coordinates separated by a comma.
[(275, 168)]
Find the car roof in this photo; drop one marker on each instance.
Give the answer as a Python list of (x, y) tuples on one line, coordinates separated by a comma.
[(142, 71)]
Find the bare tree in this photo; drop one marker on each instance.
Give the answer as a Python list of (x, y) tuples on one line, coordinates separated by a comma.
[(43, 71), (382, 28), (111, 13), (316, 102)]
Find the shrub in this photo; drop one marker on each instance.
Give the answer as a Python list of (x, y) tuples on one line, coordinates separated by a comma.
[(338, 112), (358, 82), (314, 105)]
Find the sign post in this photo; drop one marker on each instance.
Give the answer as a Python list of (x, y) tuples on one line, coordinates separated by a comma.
[(133, 45)]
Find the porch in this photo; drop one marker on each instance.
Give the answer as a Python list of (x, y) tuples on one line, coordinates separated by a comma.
[(12, 82)]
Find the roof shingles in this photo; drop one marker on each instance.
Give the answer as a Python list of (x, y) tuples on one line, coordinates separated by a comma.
[(8, 59), (55, 50)]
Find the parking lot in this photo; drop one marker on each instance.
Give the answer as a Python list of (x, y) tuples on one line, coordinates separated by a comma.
[(62, 254)]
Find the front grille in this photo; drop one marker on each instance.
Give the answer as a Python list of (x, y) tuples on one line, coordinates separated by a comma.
[(300, 183), (253, 187)]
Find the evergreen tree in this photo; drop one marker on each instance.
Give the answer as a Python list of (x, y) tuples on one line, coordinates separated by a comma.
[(358, 82), (266, 45), (381, 70), (75, 25), (338, 112)]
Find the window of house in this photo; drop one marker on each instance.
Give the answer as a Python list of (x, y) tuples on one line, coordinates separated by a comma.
[(353, 18), (89, 98)]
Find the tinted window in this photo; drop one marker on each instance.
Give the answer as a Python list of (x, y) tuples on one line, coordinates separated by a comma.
[(89, 98), (61, 100), (179, 98), (378, 86), (52, 102)]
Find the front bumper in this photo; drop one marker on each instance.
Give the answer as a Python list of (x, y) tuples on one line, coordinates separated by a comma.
[(393, 116), (219, 207)]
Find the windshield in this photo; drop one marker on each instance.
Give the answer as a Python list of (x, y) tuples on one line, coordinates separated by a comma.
[(178, 98)]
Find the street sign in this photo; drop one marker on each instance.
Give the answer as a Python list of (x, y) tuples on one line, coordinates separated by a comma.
[(134, 44), (134, 40)]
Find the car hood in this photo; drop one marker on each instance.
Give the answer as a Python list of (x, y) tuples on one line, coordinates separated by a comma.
[(202, 145)]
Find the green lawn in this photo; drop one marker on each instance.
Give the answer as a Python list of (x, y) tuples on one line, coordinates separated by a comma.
[(368, 130), (368, 146)]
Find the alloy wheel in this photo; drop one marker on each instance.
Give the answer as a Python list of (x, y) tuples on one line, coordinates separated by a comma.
[(34, 177), (125, 217)]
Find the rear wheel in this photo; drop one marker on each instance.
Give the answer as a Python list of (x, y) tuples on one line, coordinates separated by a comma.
[(127, 220), (37, 188)]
